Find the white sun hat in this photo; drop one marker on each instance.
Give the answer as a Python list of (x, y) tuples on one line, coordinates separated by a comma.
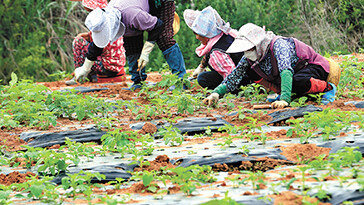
[(105, 25), (249, 35)]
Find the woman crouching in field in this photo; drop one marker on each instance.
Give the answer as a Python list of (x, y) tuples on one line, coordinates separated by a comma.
[(284, 65)]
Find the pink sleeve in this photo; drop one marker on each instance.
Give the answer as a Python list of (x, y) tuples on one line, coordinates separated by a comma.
[(221, 62)]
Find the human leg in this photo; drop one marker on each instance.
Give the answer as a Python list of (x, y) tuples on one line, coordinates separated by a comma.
[(133, 47), (209, 79), (171, 51), (312, 80)]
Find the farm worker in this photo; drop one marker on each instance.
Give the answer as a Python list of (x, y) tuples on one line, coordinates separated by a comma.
[(108, 67), (284, 65), (215, 36), (130, 18)]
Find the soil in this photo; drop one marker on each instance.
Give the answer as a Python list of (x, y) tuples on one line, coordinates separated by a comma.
[(148, 128), (157, 164), (299, 152), (14, 177), (174, 189), (290, 198), (248, 193), (11, 141), (260, 164)]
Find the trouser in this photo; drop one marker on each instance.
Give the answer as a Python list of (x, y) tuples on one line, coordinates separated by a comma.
[(209, 79), (311, 79), (171, 51), (81, 50)]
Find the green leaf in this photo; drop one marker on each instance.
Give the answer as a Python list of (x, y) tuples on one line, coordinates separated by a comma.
[(14, 79), (147, 179), (80, 112), (152, 189), (37, 190)]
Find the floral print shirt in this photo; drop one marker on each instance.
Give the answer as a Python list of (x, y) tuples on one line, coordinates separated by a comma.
[(284, 50)]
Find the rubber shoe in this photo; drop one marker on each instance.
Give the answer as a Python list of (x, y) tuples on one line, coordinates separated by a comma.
[(273, 97), (134, 87), (173, 87), (329, 96), (71, 82)]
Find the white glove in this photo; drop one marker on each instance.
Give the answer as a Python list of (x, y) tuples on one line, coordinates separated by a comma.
[(144, 56), (197, 71), (84, 70), (279, 104), (212, 99)]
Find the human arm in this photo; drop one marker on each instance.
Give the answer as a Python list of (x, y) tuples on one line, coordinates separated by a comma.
[(284, 52), (231, 82), (85, 35)]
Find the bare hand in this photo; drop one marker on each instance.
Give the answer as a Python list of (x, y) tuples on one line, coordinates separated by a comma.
[(85, 36)]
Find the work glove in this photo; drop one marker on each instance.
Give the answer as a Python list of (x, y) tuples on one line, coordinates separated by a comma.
[(212, 99), (279, 104), (144, 56), (197, 71), (82, 72)]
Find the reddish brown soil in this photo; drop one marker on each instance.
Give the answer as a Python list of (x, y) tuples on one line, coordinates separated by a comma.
[(160, 161), (14, 177), (248, 193), (11, 141), (138, 188), (299, 152), (290, 198), (174, 189), (277, 134), (262, 164), (148, 128)]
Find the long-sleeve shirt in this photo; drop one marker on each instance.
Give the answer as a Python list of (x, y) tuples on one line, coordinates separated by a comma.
[(221, 62), (135, 16), (285, 53)]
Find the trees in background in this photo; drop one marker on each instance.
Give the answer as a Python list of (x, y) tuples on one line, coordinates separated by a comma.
[(36, 35)]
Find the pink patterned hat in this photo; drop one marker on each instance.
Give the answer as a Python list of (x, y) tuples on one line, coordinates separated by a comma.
[(93, 4)]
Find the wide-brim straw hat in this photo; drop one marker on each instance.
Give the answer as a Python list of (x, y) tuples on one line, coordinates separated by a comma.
[(105, 26), (176, 24)]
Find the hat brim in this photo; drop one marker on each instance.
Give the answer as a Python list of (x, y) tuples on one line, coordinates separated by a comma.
[(101, 39), (240, 45), (187, 14), (120, 32)]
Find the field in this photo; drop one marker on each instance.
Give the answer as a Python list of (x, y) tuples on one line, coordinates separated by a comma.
[(97, 143)]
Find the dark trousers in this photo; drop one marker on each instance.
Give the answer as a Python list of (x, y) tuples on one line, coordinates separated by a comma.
[(301, 79), (209, 79)]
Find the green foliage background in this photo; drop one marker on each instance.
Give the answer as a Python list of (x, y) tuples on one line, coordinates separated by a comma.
[(36, 35)]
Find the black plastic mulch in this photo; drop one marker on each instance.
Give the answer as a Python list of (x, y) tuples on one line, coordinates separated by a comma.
[(283, 115)]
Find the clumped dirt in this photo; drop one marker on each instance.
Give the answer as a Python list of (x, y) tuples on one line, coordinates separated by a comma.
[(248, 193), (260, 164), (14, 177), (174, 189), (148, 128), (299, 152), (11, 141), (290, 198), (277, 134), (137, 188), (160, 161)]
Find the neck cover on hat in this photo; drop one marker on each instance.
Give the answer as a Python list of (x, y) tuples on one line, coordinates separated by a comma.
[(207, 22), (261, 40)]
